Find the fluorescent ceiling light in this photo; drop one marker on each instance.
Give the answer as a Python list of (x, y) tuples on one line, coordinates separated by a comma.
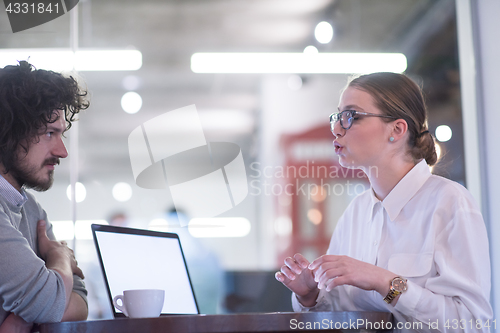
[(321, 63), (108, 60), (226, 120), (67, 60), (219, 227), (65, 230)]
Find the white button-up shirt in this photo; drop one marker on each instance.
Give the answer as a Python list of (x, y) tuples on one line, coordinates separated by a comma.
[(429, 230)]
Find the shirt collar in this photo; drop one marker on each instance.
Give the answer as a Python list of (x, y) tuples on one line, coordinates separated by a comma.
[(11, 195), (373, 201), (407, 187)]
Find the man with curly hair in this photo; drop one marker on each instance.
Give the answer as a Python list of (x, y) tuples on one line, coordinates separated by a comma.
[(40, 280)]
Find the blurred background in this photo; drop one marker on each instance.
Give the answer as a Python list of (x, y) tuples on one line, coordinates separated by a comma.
[(280, 122)]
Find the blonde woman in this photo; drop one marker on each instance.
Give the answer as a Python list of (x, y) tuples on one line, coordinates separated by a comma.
[(414, 244)]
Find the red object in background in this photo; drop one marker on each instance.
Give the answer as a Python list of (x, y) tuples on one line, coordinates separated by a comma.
[(312, 174)]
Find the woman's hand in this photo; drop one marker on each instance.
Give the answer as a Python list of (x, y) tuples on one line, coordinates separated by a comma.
[(297, 277), (331, 271)]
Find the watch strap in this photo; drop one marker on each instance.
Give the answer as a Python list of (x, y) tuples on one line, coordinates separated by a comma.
[(393, 293)]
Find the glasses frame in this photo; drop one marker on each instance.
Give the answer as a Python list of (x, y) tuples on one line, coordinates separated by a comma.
[(336, 116)]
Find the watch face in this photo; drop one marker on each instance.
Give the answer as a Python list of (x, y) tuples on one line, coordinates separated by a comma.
[(399, 284)]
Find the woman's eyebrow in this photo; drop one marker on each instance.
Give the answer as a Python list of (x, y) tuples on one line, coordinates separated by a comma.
[(351, 107)]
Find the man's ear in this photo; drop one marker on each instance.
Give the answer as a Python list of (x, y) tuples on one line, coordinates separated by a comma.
[(399, 129)]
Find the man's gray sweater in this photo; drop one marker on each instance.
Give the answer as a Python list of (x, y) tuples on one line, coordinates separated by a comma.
[(27, 288)]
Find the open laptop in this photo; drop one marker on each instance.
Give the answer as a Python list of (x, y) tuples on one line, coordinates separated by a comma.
[(143, 259)]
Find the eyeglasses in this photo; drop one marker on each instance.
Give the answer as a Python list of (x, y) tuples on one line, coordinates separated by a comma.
[(347, 118)]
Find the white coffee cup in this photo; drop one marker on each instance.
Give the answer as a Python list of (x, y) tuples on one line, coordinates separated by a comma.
[(140, 303)]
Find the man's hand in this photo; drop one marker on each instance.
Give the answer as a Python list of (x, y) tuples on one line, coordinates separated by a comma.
[(58, 257), (297, 277), (15, 324), (56, 253)]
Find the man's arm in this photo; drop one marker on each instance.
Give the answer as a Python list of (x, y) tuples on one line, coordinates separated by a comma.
[(76, 310), (61, 259), (15, 324)]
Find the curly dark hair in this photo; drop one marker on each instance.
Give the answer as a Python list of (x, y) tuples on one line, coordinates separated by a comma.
[(29, 98)]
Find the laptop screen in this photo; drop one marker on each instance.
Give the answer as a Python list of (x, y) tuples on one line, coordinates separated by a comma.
[(143, 259)]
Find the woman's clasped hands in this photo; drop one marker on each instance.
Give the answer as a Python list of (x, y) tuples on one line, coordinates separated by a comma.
[(329, 271)]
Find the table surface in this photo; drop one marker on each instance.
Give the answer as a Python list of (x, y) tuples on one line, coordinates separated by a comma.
[(255, 322)]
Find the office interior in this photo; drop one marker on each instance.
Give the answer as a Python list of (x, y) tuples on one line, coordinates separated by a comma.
[(278, 120)]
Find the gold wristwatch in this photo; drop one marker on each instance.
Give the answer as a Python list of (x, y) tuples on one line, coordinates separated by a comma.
[(398, 286)]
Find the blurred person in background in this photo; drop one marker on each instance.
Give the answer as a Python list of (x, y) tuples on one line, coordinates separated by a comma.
[(414, 244), (40, 280), (205, 271)]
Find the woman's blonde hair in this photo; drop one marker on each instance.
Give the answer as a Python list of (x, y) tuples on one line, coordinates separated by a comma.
[(398, 96)]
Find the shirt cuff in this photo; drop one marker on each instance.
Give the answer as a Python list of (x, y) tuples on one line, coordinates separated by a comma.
[(408, 301), (321, 303)]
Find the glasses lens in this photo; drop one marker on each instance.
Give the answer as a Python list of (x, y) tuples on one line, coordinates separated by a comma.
[(347, 119), (334, 117)]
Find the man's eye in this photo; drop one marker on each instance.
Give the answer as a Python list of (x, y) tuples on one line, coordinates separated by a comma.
[(49, 134)]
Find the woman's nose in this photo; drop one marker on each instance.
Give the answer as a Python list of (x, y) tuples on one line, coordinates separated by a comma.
[(337, 129)]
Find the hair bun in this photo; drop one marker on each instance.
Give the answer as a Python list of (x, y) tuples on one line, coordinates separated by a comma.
[(425, 148)]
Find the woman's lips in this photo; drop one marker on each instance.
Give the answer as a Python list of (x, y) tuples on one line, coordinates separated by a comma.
[(338, 147)]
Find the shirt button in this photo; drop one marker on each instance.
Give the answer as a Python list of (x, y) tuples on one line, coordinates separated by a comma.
[(375, 243)]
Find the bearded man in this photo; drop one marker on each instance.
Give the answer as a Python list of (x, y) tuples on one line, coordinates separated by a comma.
[(40, 280)]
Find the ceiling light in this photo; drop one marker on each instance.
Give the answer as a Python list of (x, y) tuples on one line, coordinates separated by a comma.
[(131, 102), (80, 192), (108, 60), (227, 120), (283, 226), (443, 133), (314, 216), (294, 82), (158, 225), (122, 192), (131, 82), (295, 63), (65, 230), (219, 227), (438, 150), (311, 50), (323, 32), (82, 60)]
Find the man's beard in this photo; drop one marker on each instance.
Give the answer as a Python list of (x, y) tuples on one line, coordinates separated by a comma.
[(24, 175)]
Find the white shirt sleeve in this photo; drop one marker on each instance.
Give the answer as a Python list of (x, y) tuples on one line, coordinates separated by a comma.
[(322, 303), (457, 298)]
